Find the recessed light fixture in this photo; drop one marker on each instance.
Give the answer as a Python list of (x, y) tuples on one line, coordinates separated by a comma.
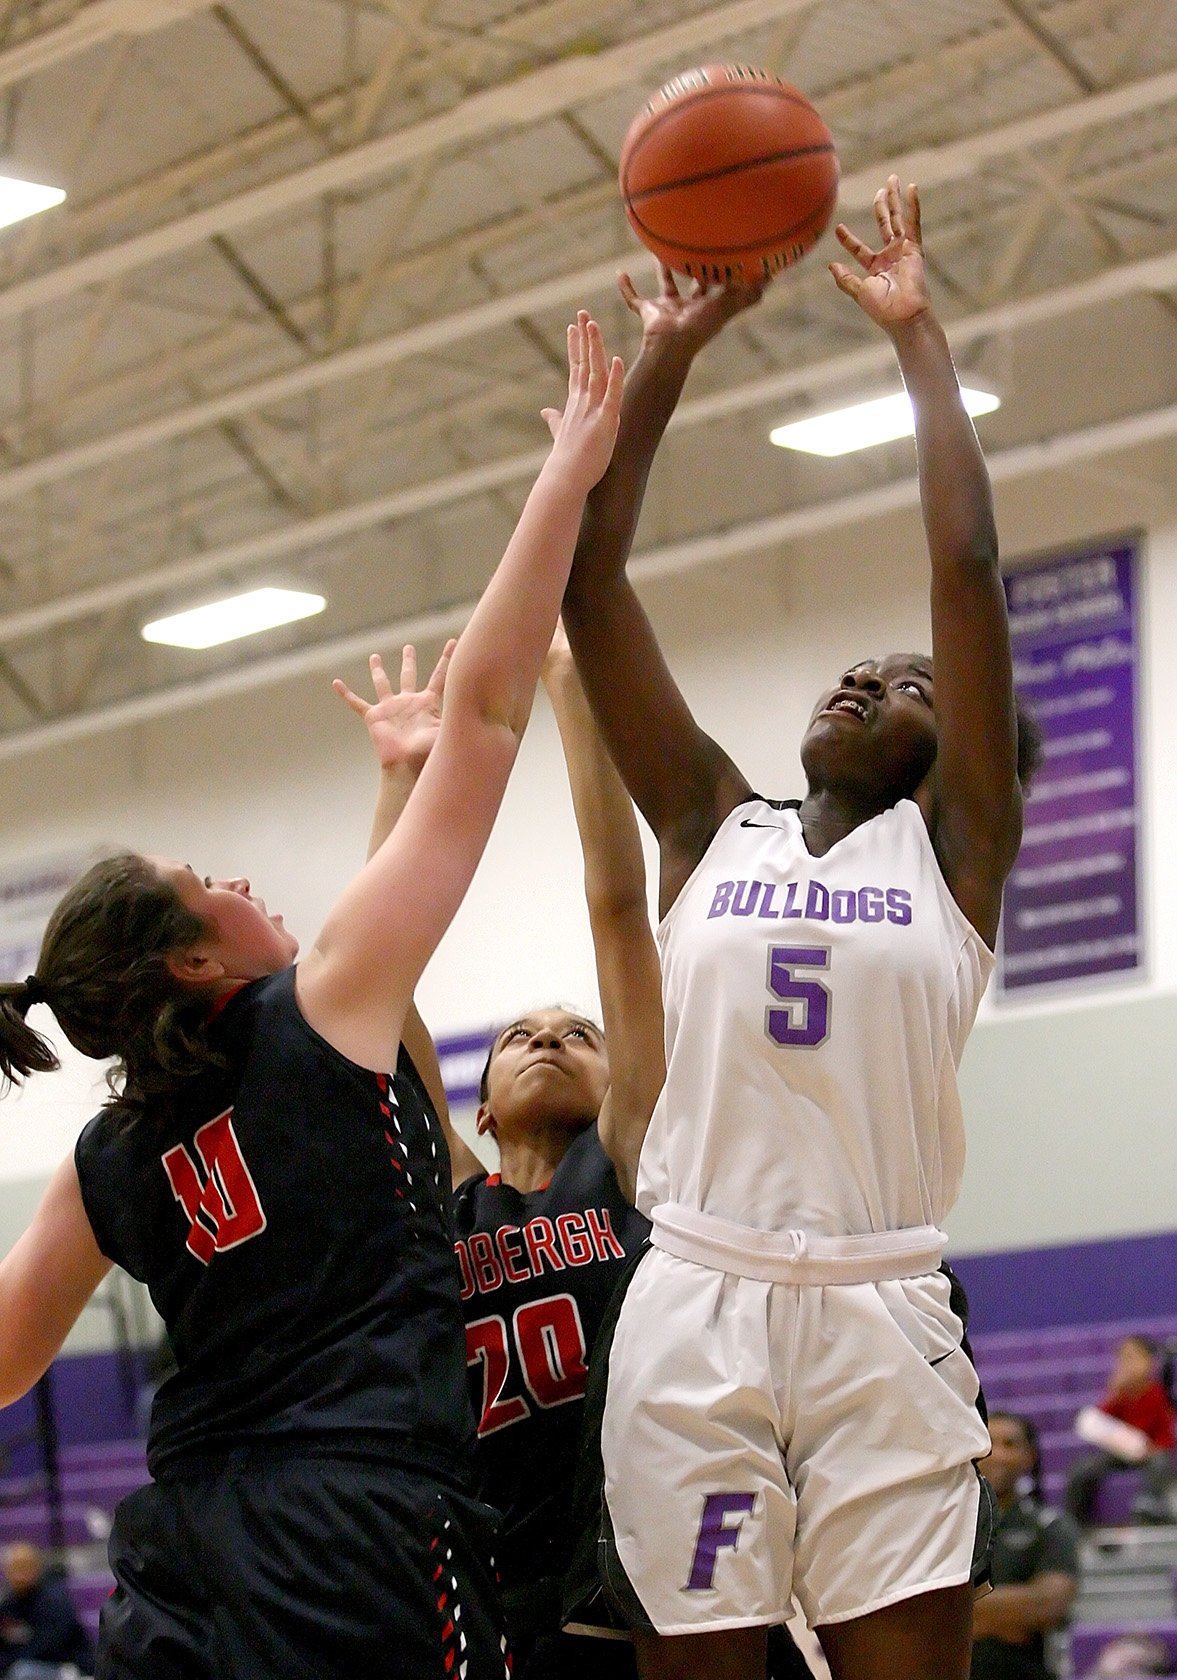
[(865, 424), (19, 199), (239, 615)]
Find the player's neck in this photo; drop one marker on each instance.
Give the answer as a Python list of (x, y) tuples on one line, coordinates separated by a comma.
[(830, 814), (527, 1163)]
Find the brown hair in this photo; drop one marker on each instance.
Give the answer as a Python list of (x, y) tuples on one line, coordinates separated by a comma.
[(104, 972)]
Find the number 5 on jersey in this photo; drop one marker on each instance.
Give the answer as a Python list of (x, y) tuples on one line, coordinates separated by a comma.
[(805, 1019)]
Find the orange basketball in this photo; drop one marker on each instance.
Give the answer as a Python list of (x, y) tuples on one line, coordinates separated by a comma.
[(728, 173)]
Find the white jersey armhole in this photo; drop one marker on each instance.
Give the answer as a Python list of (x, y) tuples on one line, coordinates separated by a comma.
[(666, 923), (969, 933)]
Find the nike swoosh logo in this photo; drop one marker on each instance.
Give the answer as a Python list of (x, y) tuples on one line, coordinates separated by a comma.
[(943, 1357), (746, 822)]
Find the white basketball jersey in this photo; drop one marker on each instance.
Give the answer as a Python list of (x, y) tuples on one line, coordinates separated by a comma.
[(816, 1010)]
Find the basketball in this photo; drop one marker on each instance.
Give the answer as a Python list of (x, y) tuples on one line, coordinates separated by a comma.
[(728, 173)]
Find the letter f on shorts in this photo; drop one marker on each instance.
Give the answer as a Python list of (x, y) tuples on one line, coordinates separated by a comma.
[(714, 1533)]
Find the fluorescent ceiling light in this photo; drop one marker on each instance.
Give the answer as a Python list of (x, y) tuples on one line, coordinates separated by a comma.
[(240, 615), (19, 199), (865, 424)]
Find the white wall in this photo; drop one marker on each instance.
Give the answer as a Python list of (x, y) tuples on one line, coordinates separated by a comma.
[(278, 785)]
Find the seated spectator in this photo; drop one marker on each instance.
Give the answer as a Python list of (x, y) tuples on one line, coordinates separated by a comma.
[(1035, 1561), (1135, 1397), (39, 1627), (1132, 1656)]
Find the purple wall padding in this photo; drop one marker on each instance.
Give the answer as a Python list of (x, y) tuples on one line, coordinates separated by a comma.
[(90, 1394), (95, 1397), (1075, 1283)]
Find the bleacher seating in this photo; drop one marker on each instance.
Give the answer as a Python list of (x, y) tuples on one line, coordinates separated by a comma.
[(94, 1477), (1087, 1642), (1045, 1373), (1048, 1375)]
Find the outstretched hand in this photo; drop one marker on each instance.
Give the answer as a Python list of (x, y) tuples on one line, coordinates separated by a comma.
[(403, 724), (894, 288), (585, 432), (690, 319)]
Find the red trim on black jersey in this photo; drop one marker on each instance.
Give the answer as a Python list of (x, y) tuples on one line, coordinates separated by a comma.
[(225, 999)]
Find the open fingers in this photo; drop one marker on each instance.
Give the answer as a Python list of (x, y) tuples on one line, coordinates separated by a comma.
[(598, 366), (380, 680), (408, 669), (882, 211), (914, 230), (667, 284), (895, 207), (858, 248), (580, 383), (615, 383), (846, 280), (574, 348), (436, 683), (629, 292), (358, 706)]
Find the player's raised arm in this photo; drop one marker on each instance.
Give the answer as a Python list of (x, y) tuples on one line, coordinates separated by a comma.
[(683, 783), (403, 725), (975, 807), (355, 985), (628, 973)]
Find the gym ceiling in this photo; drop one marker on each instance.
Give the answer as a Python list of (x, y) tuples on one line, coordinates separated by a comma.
[(307, 293)]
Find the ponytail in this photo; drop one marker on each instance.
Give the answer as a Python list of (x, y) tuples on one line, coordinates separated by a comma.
[(104, 970), (22, 1051)]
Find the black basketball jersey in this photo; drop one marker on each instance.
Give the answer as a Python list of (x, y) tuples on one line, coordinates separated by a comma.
[(289, 1212), (537, 1273)]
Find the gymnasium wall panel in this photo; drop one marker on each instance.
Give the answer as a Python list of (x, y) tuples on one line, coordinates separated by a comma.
[(1072, 1125)]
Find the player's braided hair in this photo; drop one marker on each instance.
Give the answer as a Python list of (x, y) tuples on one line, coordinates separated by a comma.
[(103, 970)]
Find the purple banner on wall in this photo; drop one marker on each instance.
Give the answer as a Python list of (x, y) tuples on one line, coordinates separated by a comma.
[(462, 1059), (1072, 908)]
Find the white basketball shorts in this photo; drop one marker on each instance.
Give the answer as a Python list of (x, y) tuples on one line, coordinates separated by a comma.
[(763, 1439)]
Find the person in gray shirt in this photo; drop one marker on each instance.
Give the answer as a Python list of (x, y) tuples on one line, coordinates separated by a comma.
[(1035, 1560)]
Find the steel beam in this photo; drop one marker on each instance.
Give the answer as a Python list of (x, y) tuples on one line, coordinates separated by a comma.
[(515, 104), (89, 27), (758, 536), (928, 165), (1155, 274)]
